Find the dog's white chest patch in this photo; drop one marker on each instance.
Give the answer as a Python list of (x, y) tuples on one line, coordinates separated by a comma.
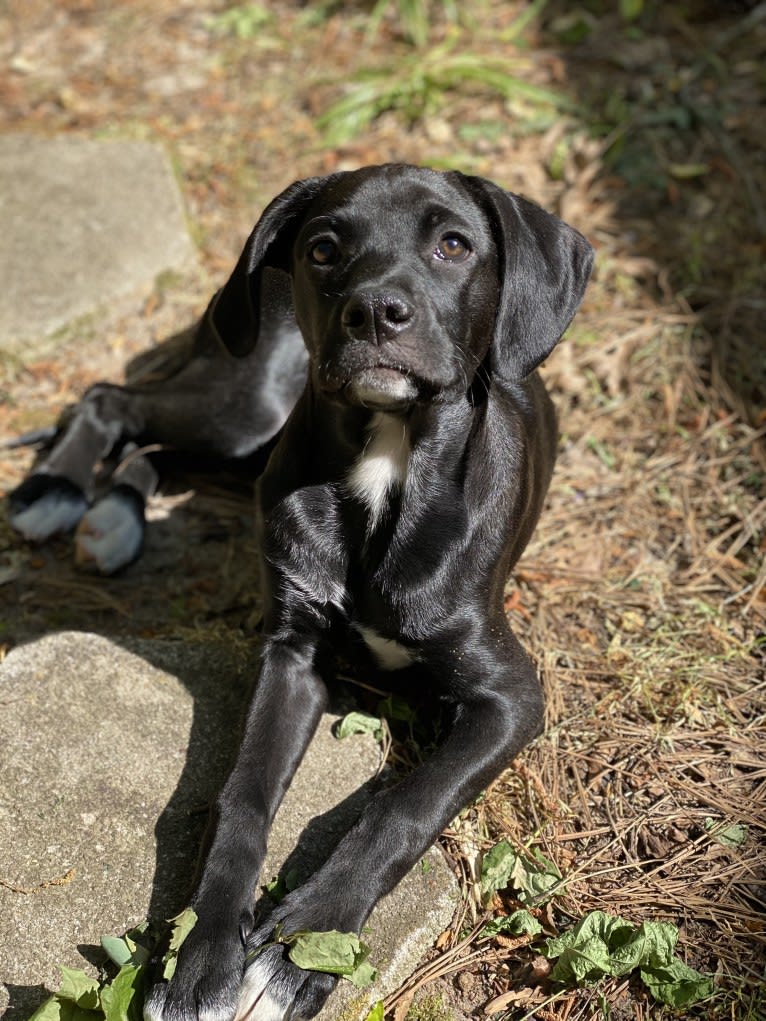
[(382, 465), (391, 655)]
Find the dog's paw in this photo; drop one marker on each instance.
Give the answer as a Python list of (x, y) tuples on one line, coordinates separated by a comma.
[(44, 505), (205, 984), (275, 989), (111, 534)]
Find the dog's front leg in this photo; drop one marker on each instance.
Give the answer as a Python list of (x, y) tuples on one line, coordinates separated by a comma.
[(498, 709), (288, 701)]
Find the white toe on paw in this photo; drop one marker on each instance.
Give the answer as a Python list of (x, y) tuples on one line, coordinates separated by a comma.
[(153, 1007), (109, 535), (51, 514), (259, 994)]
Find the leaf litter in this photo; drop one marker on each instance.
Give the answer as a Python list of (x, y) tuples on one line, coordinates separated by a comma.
[(642, 595)]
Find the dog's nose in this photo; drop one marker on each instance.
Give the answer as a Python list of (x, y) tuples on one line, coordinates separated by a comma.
[(376, 317)]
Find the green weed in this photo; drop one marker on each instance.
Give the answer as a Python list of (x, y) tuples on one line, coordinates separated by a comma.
[(419, 85), (245, 21)]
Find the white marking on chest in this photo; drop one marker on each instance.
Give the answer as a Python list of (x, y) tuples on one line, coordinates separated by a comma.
[(382, 465), (389, 654)]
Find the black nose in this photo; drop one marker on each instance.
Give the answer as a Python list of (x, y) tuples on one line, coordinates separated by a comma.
[(376, 317)]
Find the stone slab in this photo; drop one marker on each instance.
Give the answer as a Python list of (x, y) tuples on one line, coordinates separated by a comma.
[(82, 223), (109, 756)]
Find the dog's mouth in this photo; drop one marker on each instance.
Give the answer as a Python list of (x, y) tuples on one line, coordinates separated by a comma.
[(382, 388)]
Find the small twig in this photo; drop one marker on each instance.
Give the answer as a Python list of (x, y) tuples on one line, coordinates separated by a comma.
[(64, 880)]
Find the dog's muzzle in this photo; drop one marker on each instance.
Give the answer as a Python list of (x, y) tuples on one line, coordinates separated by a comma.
[(381, 388)]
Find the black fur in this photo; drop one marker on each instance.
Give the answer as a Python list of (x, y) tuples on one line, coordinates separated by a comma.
[(425, 302)]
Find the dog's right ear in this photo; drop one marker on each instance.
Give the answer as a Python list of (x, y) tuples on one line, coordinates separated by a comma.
[(233, 314)]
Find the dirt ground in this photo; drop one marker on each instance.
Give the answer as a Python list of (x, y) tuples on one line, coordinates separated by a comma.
[(642, 595)]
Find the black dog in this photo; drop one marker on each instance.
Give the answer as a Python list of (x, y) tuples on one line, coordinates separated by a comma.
[(415, 445)]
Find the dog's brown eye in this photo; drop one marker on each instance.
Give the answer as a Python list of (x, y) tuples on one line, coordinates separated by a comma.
[(452, 248), (323, 253)]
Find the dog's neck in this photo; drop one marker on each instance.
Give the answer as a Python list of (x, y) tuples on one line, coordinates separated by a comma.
[(380, 469)]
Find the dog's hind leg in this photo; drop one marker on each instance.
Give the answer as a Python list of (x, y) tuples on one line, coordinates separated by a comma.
[(110, 422), (216, 406), (111, 534), (57, 495)]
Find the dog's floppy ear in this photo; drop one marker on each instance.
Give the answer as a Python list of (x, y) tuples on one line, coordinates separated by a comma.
[(544, 266), (233, 314)]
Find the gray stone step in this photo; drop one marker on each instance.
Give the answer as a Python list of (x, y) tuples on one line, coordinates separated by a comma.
[(109, 756), (83, 223)]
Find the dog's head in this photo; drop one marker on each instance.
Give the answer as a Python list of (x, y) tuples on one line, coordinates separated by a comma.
[(408, 283)]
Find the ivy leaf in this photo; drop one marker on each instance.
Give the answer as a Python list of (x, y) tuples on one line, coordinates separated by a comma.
[(533, 876), (496, 869), (122, 1000), (377, 1013), (117, 950), (58, 1009), (79, 988), (394, 707), (601, 945), (520, 923), (585, 952), (733, 835), (337, 953), (358, 723), (281, 885), (182, 926), (677, 984), (363, 975)]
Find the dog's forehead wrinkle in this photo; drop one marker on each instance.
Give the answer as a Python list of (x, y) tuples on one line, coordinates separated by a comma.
[(390, 198)]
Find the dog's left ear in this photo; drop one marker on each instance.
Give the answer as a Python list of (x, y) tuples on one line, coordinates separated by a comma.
[(544, 266), (233, 314)]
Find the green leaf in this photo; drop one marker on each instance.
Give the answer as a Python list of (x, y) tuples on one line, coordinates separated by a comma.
[(58, 1009), (50, 1010), (734, 835), (182, 926), (677, 984), (652, 945), (584, 962), (79, 988), (602, 452), (333, 952), (601, 945), (281, 885), (686, 171), (122, 1000), (377, 1013), (358, 723), (520, 923), (394, 707), (533, 876), (537, 877), (337, 953), (363, 975), (496, 869), (585, 952), (631, 9), (117, 950)]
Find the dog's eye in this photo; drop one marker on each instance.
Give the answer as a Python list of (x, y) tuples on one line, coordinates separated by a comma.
[(324, 253), (452, 248)]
